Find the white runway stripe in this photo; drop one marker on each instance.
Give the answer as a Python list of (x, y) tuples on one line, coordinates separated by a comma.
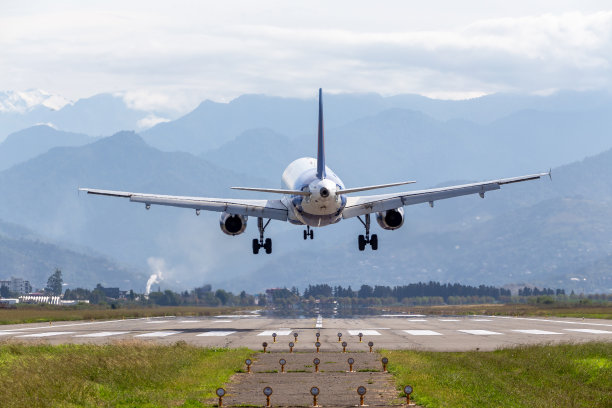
[(364, 332), (422, 333), (8, 333), (222, 321), (156, 322), (416, 320), (480, 320), (278, 333), (47, 334), (590, 331), (216, 333), (158, 334), (479, 332), (536, 332), (103, 334), (450, 320)]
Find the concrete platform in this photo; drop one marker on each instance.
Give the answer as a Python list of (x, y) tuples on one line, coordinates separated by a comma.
[(389, 332)]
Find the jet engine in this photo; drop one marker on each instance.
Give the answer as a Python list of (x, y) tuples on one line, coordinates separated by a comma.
[(391, 220), (232, 224)]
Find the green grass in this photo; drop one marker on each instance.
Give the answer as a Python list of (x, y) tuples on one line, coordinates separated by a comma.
[(47, 313), (569, 375), (119, 375)]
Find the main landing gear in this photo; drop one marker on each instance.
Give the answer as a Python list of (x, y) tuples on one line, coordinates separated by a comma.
[(261, 243), (308, 233), (363, 241)]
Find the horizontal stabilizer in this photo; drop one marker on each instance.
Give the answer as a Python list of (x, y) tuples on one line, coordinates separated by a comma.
[(273, 190), (356, 189)]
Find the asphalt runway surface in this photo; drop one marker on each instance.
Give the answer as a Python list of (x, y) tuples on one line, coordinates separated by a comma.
[(437, 333)]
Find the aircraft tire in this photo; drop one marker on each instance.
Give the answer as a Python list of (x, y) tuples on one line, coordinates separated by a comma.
[(255, 246), (305, 235), (374, 242), (311, 234), (361, 242), (268, 246)]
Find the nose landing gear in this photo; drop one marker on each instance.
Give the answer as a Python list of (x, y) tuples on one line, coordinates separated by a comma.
[(261, 243), (308, 233), (364, 240)]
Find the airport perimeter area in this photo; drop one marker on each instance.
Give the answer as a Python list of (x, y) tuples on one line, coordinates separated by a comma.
[(392, 332)]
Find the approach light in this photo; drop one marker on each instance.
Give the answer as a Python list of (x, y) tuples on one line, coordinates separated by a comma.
[(248, 363), (408, 391), (361, 390), (264, 344), (316, 362), (267, 392), (371, 344), (344, 344), (220, 394), (351, 361), (314, 391), (317, 345), (385, 361), (291, 347), (282, 363)]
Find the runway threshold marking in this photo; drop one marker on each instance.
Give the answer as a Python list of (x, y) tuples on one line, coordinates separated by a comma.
[(450, 320), (479, 332), (103, 334), (222, 321), (278, 332), (215, 333), (416, 320), (159, 334), (423, 333), (593, 331), (536, 332), (364, 332), (46, 334)]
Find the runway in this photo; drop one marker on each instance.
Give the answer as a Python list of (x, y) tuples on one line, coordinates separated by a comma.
[(386, 332)]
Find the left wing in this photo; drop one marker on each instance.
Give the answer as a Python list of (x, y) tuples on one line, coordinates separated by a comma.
[(356, 206), (272, 209)]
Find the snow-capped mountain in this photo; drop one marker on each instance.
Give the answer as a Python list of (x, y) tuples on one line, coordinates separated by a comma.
[(24, 101)]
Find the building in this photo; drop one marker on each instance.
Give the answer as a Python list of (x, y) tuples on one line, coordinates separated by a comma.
[(17, 285)]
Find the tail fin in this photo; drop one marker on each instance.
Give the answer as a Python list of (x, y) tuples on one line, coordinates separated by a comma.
[(321, 139)]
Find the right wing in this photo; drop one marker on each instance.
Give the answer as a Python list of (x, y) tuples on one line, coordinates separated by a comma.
[(356, 206), (272, 209)]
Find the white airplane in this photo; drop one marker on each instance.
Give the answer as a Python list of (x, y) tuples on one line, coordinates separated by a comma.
[(314, 196)]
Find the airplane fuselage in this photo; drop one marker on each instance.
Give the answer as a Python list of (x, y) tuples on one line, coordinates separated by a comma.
[(323, 206)]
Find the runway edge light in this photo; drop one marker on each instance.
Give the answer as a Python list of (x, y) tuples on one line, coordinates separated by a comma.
[(408, 391)]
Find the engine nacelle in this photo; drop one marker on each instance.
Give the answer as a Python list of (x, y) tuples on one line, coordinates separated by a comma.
[(233, 224), (391, 220)]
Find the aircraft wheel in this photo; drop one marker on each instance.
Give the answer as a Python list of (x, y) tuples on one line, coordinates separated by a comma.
[(255, 246), (268, 246), (374, 242), (311, 234), (305, 234), (362, 242)]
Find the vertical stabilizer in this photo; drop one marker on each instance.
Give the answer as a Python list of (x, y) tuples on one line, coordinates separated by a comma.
[(321, 139)]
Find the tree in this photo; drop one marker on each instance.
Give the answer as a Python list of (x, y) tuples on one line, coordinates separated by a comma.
[(54, 283), (5, 292)]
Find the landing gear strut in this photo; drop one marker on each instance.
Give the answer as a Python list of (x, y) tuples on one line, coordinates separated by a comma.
[(308, 232), (261, 243), (363, 241)]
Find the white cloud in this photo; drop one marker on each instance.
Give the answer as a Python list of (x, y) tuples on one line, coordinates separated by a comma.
[(171, 57)]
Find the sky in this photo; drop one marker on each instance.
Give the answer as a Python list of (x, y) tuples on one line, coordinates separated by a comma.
[(172, 55)]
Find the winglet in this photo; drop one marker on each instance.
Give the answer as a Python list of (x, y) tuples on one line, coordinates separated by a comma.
[(321, 141), (550, 174)]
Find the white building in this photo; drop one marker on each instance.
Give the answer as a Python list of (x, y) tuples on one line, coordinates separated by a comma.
[(17, 285)]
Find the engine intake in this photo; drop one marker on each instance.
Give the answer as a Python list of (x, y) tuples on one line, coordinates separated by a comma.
[(233, 224), (391, 220)]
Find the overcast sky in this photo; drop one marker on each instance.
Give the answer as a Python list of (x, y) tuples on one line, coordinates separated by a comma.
[(177, 53)]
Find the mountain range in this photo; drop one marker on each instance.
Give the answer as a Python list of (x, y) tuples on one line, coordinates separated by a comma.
[(549, 233)]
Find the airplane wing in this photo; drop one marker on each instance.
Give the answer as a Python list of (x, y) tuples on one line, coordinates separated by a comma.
[(272, 209), (356, 206)]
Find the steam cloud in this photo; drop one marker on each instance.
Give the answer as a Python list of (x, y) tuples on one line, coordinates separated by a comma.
[(158, 266)]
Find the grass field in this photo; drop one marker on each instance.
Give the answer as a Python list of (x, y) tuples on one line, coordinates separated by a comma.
[(530, 376), (120, 375), (542, 310), (46, 313)]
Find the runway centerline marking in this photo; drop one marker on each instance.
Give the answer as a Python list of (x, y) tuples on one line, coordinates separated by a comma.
[(536, 332), (364, 332), (102, 334), (46, 334), (593, 331), (278, 332), (8, 333), (216, 333), (423, 333), (158, 334), (479, 332)]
